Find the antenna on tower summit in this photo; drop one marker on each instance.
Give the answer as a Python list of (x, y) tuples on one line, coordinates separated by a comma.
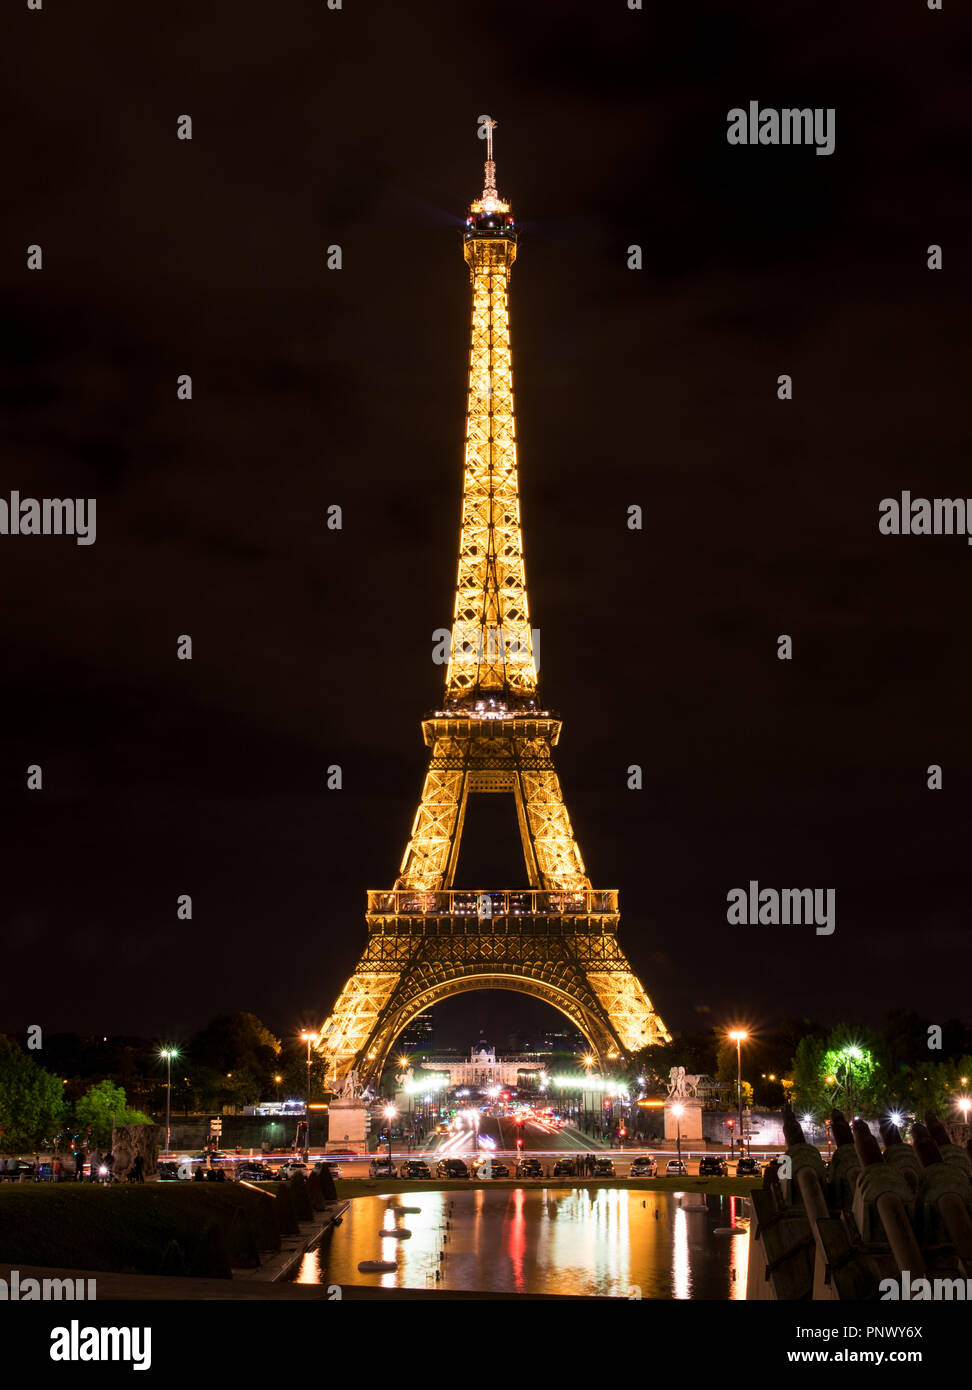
[(490, 201)]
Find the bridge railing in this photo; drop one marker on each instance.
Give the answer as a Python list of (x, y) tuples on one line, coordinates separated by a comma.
[(507, 902)]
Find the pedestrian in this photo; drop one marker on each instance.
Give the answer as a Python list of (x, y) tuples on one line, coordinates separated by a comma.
[(57, 1169), (137, 1169)]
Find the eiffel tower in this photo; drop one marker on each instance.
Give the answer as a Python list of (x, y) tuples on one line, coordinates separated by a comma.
[(556, 940)]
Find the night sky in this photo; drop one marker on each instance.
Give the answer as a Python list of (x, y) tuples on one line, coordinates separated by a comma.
[(314, 387)]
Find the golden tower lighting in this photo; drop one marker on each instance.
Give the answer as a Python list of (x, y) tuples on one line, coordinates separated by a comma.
[(556, 939)]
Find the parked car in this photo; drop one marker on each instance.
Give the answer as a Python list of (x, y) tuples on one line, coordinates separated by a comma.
[(644, 1167), (168, 1171), (253, 1170), (676, 1168), (604, 1168), (326, 1166), (529, 1168), (382, 1168), (565, 1168), (712, 1166), (491, 1168), (748, 1168), (415, 1168), (451, 1168), (291, 1168)]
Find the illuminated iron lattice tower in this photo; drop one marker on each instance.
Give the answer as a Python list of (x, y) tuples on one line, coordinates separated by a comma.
[(556, 940)]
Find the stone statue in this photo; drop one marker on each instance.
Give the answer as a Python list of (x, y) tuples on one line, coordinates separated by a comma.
[(682, 1084), (350, 1087)]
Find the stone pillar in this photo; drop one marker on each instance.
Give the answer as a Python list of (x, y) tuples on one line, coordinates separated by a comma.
[(347, 1126), (689, 1123)]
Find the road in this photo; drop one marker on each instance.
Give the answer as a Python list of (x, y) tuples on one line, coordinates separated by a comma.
[(497, 1135)]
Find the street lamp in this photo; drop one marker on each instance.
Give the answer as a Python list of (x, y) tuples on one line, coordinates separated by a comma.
[(678, 1111), (588, 1061), (311, 1038), (850, 1055), (168, 1053), (964, 1104), (389, 1112), (738, 1036)]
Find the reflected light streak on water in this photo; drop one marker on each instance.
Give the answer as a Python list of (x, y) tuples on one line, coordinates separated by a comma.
[(681, 1278), (739, 1254), (607, 1242), (517, 1239)]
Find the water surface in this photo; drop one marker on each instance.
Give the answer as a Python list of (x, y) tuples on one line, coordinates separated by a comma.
[(605, 1241)]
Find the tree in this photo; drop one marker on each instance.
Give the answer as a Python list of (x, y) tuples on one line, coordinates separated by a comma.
[(236, 1059), (693, 1051), (809, 1073), (102, 1106), (31, 1102), (848, 1066)]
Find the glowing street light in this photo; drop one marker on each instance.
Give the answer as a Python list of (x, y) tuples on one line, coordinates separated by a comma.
[(850, 1055), (168, 1053), (389, 1113), (678, 1111), (310, 1038), (739, 1036)]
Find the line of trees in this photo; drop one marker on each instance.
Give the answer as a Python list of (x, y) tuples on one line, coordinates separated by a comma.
[(34, 1112), (71, 1082)]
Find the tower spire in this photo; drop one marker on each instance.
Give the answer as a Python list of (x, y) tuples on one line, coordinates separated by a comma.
[(490, 202), (492, 656), (490, 196)]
